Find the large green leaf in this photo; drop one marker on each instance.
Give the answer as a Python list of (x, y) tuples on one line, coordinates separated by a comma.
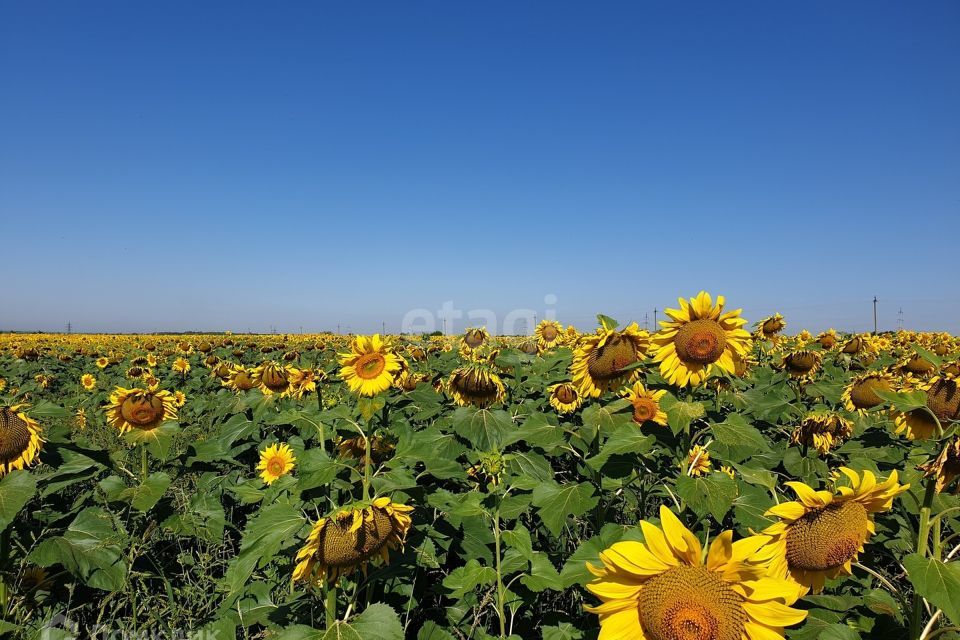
[(713, 494), (90, 549), (16, 489), (936, 581), (556, 502)]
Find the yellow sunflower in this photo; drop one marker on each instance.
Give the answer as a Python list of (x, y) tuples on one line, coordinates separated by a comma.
[(271, 377), (88, 381), (646, 404), (240, 378), (475, 384), (302, 381), (473, 338), (349, 539), (600, 359), (370, 367), (769, 327), (821, 534), (564, 397), (276, 461), (664, 589), (140, 410), (859, 395), (802, 364), (699, 338), (822, 430), (697, 462), (943, 401), (20, 439), (828, 339), (946, 466), (549, 334), (179, 399), (102, 363), (181, 366)]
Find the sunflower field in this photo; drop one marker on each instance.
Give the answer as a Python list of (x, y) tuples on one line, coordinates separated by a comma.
[(714, 480)]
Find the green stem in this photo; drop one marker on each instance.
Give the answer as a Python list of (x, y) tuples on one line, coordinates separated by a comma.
[(143, 462), (366, 467), (500, 589), (923, 534), (330, 608)]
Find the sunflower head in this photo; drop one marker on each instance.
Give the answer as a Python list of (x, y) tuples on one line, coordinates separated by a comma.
[(549, 334), (276, 461), (646, 404), (860, 394), (801, 364), (240, 378), (140, 410), (663, 588), (601, 361), (272, 377), (821, 534), (946, 466), (822, 430), (371, 365), (20, 439), (477, 385), (382, 448), (769, 327), (697, 462), (943, 401), (88, 381), (699, 338), (564, 397), (475, 337), (351, 538)]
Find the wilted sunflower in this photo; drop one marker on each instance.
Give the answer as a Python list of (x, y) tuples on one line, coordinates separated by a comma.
[(88, 381), (43, 380), (34, 578), (946, 466), (382, 449), (943, 401), (302, 381), (240, 378), (802, 365), (80, 419), (408, 381), (600, 359), (822, 430), (549, 334), (664, 589), (828, 339), (271, 377), (138, 373), (916, 366), (349, 539), (646, 404), (370, 367), (854, 345), (820, 535), (564, 397), (276, 461), (699, 337), (140, 410), (475, 337), (697, 462), (860, 394), (475, 384), (20, 439), (769, 327)]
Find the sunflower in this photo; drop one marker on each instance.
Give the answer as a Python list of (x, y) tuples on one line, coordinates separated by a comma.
[(140, 410), (600, 360), (859, 395), (382, 449), (916, 366), (3, 384), (820, 535), (408, 381), (943, 401), (475, 337), (853, 346), (240, 378), (646, 404), (822, 430), (302, 381), (698, 338), (276, 461), (34, 578), (271, 377), (370, 367), (828, 339), (349, 539), (80, 419), (663, 588), (802, 364), (564, 397), (488, 469), (43, 380), (181, 366), (475, 384), (102, 363), (179, 399), (88, 381), (769, 327), (946, 466), (20, 439), (697, 462), (138, 373), (549, 334)]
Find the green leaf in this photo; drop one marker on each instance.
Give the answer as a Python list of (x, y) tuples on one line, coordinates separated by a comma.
[(735, 431), (543, 575), (607, 322), (146, 495), (482, 428), (16, 490), (89, 549), (713, 494), (369, 407), (315, 469), (465, 579), (937, 582), (431, 631), (556, 502), (627, 439), (904, 401), (46, 409), (680, 414)]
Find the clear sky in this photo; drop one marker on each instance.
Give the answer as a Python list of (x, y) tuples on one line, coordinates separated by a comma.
[(248, 165)]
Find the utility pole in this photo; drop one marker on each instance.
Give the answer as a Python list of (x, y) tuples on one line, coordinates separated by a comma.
[(69, 328), (874, 315), (338, 328), (383, 328), (900, 319), (646, 322), (655, 319)]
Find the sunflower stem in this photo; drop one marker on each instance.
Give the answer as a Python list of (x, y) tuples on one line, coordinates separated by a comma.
[(500, 589), (923, 535), (143, 462), (330, 608)]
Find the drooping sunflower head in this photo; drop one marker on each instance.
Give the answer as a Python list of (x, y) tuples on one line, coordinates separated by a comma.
[(946, 466), (802, 364), (475, 384), (382, 448), (352, 537), (549, 334), (240, 379), (272, 377), (828, 339), (408, 381), (822, 430), (371, 365), (475, 337), (662, 588), (943, 401), (601, 361), (769, 327), (88, 381), (821, 534), (276, 461), (20, 439), (564, 397), (646, 404), (140, 410), (860, 394), (854, 345), (302, 381), (698, 338)]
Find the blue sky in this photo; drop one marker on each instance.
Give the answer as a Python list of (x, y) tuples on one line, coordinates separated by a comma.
[(249, 165)]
